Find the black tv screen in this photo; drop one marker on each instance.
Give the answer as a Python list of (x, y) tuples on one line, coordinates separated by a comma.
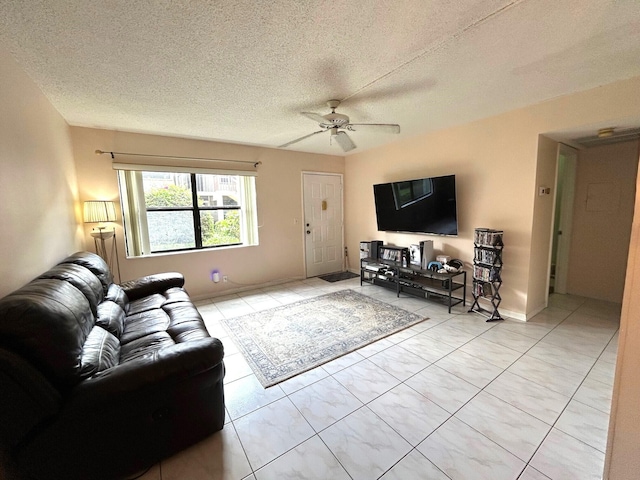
[(425, 205)]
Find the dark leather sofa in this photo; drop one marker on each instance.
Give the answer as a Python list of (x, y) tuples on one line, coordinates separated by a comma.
[(99, 380)]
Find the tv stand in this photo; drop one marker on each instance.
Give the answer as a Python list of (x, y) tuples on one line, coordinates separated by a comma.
[(447, 288)]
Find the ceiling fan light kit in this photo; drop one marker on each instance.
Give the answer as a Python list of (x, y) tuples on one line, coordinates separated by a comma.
[(337, 123)]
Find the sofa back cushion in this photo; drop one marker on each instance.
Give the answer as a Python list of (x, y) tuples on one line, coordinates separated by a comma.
[(111, 318), (81, 278), (101, 351), (116, 294), (96, 264), (47, 322)]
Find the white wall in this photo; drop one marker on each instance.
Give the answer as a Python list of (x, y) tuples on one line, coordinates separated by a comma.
[(38, 189)]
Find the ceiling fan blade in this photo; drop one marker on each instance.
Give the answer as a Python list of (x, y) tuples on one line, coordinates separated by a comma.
[(345, 141), (300, 139), (314, 116), (380, 127)]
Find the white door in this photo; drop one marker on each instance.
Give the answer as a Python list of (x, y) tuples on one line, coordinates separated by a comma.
[(565, 188), (322, 194)]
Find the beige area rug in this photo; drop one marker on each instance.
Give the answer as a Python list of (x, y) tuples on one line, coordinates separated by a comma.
[(285, 341)]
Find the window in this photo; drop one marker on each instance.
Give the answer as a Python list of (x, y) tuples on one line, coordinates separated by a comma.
[(175, 211)]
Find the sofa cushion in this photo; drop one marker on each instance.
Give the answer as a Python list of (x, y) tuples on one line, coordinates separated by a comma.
[(145, 347), (157, 300), (116, 294), (47, 322), (101, 351), (173, 323), (159, 282), (142, 324), (185, 322), (81, 278), (96, 264), (111, 318)]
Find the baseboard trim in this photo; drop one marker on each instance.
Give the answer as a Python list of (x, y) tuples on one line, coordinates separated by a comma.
[(513, 315), (535, 311), (244, 288)]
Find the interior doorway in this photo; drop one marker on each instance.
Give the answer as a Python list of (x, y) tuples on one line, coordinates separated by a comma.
[(565, 191), (323, 223), (597, 224)]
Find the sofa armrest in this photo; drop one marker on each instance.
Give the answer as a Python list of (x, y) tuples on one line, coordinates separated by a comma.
[(151, 284), (26, 398), (167, 365)]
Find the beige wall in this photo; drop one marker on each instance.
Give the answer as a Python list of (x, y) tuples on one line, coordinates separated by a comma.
[(602, 215), (279, 256), (495, 161), (487, 195), (539, 263), (38, 188)]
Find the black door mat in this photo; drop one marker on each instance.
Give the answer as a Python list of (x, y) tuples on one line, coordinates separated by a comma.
[(336, 277)]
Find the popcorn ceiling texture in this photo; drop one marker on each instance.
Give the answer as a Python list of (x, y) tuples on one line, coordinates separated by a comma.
[(241, 71)]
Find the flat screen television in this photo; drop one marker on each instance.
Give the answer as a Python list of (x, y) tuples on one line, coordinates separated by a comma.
[(424, 205)]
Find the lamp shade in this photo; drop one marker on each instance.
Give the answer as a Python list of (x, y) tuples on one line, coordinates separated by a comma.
[(96, 211)]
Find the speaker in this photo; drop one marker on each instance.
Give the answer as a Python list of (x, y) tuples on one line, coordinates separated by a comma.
[(374, 249), (426, 253), (364, 250)]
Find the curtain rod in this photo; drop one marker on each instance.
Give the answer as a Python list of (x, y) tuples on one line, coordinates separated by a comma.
[(255, 164)]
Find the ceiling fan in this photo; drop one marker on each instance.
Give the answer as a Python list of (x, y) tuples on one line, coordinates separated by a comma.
[(337, 123)]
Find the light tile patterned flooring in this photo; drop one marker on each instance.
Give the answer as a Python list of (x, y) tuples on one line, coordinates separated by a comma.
[(453, 397)]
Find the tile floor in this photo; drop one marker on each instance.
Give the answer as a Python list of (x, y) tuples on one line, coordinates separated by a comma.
[(453, 397)]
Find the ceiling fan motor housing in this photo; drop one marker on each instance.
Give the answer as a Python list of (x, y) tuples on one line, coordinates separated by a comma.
[(335, 119)]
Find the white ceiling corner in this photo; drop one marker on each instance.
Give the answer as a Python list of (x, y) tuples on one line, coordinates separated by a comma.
[(241, 70)]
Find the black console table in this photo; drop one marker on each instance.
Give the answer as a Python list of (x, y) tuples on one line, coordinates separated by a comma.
[(448, 288)]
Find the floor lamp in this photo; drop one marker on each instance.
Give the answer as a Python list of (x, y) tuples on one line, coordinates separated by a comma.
[(100, 211)]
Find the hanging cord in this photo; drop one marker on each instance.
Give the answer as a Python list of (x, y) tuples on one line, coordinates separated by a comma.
[(346, 258)]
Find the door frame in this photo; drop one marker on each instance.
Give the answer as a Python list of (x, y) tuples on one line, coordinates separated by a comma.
[(303, 224)]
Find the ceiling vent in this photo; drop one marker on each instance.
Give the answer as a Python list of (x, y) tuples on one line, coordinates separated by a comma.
[(607, 136)]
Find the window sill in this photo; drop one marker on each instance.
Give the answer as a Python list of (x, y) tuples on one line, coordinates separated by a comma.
[(188, 252)]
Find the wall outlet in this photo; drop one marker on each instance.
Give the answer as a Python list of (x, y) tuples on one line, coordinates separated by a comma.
[(225, 279)]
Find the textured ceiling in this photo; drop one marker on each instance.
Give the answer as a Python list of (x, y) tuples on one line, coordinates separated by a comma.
[(241, 71)]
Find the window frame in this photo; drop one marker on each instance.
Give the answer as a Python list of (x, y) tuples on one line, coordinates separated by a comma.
[(245, 209)]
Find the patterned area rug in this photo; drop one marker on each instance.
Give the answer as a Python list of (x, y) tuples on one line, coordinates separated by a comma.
[(285, 341)]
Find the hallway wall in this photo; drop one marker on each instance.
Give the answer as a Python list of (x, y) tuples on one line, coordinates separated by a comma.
[(602, 217)]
